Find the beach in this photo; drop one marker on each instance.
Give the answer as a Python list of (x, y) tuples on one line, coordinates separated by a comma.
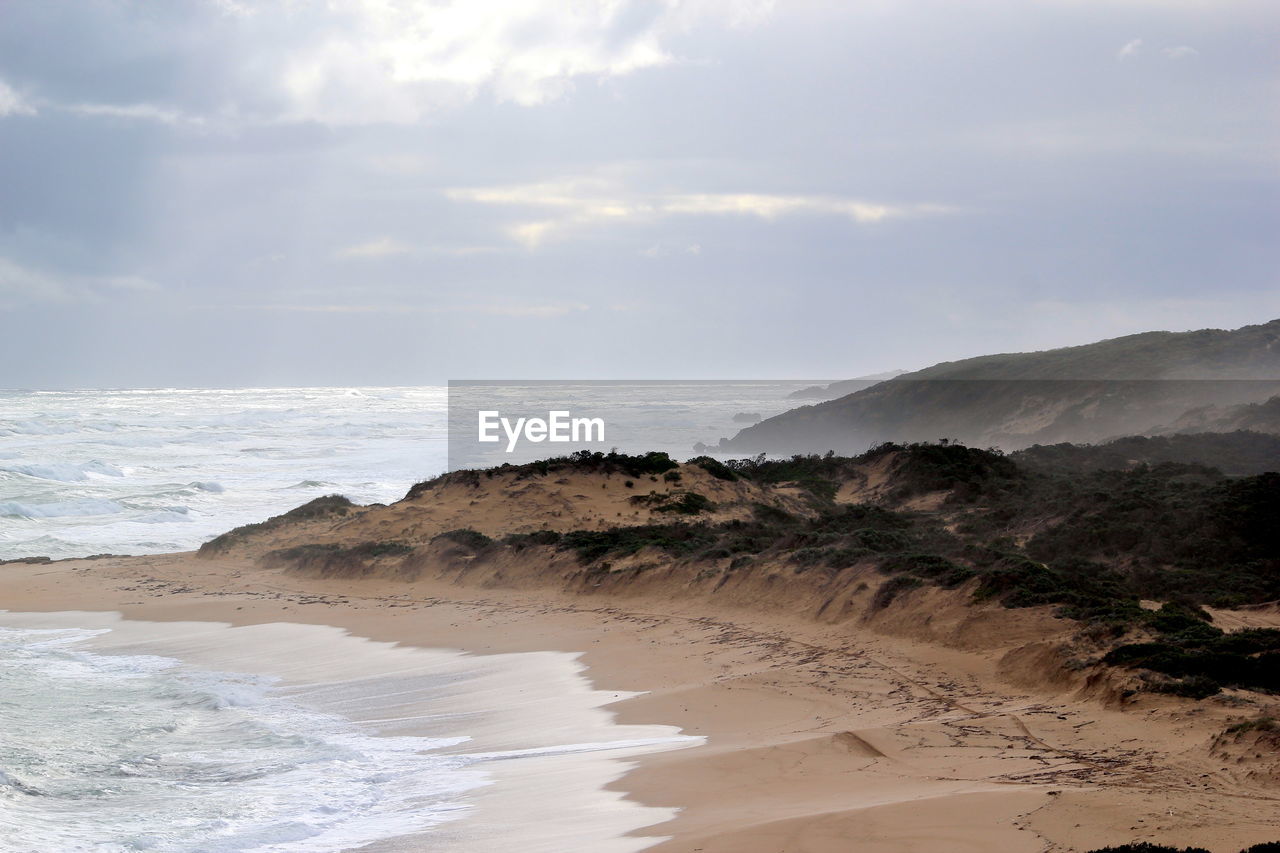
[(818, 736)]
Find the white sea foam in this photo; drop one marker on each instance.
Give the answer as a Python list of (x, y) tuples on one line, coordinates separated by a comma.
[(126, 736)]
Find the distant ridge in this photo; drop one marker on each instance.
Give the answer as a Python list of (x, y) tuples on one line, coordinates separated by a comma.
[(843, 387), (1154, 382)]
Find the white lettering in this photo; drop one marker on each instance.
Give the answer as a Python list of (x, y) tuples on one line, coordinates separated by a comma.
[(488, 421), (559, 427), (587, 424), (513, 435), (558, 422)]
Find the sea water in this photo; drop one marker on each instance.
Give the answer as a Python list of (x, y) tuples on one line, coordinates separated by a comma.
[(110, 752), (156, 471), (197, 737)]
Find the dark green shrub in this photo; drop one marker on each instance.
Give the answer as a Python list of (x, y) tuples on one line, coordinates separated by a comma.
[(714, 467), (675, 539), (466, 537), (680, 503), (520, 541), (1147, 847), (891, 589)]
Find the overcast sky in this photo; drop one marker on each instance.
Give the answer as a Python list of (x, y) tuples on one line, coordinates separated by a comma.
[(296, 192)]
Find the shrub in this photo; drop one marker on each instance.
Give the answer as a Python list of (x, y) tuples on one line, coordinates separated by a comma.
[(1147, 847), (931, 566), (520, 541), (682, 503), (1258, 724), (473, 540), (714, 467), (676, 539), (880, 540), (890, 589), (332, 560)]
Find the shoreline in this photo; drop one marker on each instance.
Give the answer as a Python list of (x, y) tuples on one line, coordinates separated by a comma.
[(514, 748), (819, 736)]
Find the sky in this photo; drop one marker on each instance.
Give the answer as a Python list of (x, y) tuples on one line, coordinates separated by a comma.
[(230, 193)]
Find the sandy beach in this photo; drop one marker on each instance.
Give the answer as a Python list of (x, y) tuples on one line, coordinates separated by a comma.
[(819, 737)]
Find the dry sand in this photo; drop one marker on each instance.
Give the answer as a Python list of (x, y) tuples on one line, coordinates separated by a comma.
[(820, 737)]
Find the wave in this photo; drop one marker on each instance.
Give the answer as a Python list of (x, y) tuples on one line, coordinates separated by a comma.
[(167, 515), (65, 472), (101, 751), (61, 509)]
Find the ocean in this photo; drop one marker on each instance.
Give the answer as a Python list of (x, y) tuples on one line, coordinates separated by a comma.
[(157, 471)]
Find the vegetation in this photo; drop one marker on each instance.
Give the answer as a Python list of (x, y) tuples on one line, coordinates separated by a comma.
[(1200, 659), (472, 540), (323, 507), (1238, 454), (583, 461), (681, 503), (674, 539), (1090, 543), (1147, 847), (1258, 724), (890, 589), (520, 541), (330, 560), (714, 467)]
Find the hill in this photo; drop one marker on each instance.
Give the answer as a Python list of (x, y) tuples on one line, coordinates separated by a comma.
[(1139, 384), (845, 386)]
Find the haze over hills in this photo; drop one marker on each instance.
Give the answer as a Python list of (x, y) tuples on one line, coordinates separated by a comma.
[(843, 387), (1150, 383)]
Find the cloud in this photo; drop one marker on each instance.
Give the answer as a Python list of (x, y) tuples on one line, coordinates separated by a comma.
[(134, 283), (584, 202), (12, 103), (658, 250), (362, 62), (379, 248), (133, 112), (20, 285), (1180, 52), (397, 61), (496, 309), (24, 285), (1131, 48), (514, 310)]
